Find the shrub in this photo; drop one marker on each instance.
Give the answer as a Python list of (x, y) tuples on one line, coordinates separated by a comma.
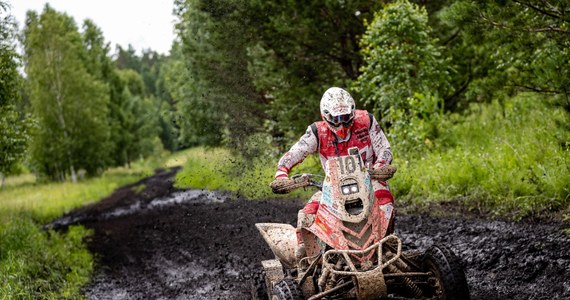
[(42, 265)]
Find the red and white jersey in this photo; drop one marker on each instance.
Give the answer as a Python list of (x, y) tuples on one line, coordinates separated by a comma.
[(365, 133)]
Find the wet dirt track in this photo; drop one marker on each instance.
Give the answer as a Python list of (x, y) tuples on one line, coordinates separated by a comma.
[(160, 243)]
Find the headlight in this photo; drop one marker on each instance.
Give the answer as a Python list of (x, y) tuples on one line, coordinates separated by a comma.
[(349, 189)]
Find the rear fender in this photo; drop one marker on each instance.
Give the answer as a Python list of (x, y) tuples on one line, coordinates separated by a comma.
[(282, 241)]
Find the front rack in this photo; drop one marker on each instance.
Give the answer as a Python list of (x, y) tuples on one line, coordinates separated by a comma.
[(329, 256)]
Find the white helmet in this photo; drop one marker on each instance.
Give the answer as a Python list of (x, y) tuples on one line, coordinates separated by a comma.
[(337, 110)]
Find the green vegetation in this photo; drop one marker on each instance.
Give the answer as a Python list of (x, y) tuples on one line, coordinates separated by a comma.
[(468, 92), (45, 201), (507, 160), (42, 265), (219, 169), (68, 102), (473, 96), (504, 160), (90, 111), (38, 264), (13, 126), (401, 59)]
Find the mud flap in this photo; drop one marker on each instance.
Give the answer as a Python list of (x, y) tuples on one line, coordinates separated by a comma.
[(273, 273), (282, 239)]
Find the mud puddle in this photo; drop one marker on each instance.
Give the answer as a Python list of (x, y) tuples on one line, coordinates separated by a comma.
[(195, 245)]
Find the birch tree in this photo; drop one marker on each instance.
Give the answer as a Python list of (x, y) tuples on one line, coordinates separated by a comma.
[(69, 103)]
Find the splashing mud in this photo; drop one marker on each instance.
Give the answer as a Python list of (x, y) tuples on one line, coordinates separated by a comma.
[(162, 243)]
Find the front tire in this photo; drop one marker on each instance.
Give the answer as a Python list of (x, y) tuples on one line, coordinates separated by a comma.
[(449, 278), (258, 287), (287, 289)]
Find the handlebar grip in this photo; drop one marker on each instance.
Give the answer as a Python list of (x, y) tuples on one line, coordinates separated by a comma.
[(285, 186)]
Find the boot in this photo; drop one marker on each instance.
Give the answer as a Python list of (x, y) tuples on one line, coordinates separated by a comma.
[(300, 251)]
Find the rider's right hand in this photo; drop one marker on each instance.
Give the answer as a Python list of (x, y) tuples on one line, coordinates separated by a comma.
[(281, 185)]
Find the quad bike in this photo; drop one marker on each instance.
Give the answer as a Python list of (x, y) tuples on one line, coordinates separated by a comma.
[(351, 252)]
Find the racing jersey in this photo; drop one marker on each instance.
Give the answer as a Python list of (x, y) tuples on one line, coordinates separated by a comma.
[(365, 134)]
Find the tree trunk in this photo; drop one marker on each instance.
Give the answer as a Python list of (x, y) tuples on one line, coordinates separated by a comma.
[(73, 174)]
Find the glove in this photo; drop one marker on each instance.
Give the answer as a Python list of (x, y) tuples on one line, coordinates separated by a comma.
[(284, 185), (382, 173), (281, 185)]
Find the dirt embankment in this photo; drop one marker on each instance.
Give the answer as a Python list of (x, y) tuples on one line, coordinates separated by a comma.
[(160, 243)]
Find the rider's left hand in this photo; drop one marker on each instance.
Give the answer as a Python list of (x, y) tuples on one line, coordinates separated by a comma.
[(383, 173)]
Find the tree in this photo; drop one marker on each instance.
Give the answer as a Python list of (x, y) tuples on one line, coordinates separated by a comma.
[(267, 63), (214, 47), (404, 76), (69, 103), (401, 59), (136, 120), (13, 125), (196, 119), (303, 48), (513, 45), (150, 67)]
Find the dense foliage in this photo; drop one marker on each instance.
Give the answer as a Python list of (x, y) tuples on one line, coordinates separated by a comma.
[(263, 65), (36, 265), (70, 104), (249, 74), (401, 59), (502, 159), (92, 111), (511, 46), (13, 126), (425, 70), (405, 77)]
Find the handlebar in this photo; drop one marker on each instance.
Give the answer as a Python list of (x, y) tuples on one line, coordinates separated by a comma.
[(303, 180)]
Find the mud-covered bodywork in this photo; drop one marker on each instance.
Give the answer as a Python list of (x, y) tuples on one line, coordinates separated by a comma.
[(281, 239), (349, 216)]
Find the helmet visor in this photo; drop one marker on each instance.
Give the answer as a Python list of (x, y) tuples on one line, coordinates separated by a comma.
[(344, 120)]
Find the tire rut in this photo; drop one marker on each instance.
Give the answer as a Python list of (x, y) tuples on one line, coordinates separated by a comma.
[(207, 247)]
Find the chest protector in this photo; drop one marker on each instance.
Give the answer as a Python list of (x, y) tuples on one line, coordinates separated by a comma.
[(329, 146)]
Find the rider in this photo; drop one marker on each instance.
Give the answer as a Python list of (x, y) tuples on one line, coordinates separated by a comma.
[(342, 128)]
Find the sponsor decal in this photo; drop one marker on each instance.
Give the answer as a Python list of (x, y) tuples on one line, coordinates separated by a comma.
[(322, 225), (387, 210), (327, 195), (362, 135)]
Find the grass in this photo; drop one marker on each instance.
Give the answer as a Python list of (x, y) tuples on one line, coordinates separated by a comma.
[(38, 264), (511, 160), (218, 169), (42, 265), (46, 201)]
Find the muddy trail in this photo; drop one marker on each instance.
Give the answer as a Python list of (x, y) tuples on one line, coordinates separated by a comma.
[(152, 241)]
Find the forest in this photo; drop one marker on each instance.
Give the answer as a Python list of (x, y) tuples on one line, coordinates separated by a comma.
[(474, 96)]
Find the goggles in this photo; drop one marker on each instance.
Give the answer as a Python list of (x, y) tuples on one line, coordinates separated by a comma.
[(344, 120)]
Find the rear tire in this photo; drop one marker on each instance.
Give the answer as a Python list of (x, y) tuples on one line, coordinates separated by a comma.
[(450, 283), (258, 287), (287, 289)]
